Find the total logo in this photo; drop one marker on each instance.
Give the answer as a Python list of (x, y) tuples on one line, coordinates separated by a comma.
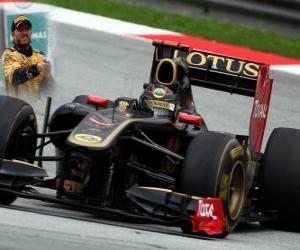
[(260, 110), (159, 93), (206, 210), (88, 138)]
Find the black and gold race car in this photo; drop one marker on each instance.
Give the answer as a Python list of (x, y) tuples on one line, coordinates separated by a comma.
[(153, 159)]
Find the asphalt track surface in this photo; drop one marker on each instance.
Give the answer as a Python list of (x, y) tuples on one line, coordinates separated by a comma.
[(88, 62)]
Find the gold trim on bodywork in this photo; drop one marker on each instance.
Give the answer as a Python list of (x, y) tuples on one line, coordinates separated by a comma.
[(106, 141), (82, 137), (171, 191), (20, 162), (174, 78)]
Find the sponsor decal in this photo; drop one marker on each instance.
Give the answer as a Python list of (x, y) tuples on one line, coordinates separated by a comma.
[(77, 173), (122, 106), (88, 138), (236, 152), (260, 110), (224, 64), (162, 105), (159, 93), (72, 186), (67, 185), (209, 216), (206, 210), (101, 123), (39, 35), (171, 106)]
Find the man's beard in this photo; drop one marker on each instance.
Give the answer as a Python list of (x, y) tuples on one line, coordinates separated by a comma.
[(24, 45)]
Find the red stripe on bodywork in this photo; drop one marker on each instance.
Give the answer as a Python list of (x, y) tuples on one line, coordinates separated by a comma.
[(222, 48)]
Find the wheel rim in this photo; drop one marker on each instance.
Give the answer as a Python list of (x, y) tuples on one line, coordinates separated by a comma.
[(236, 192)]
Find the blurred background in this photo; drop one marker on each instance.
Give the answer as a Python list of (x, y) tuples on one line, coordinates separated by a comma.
[(280, 16)]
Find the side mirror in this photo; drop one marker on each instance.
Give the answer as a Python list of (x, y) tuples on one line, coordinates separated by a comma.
[(97, 101), (191, 119)]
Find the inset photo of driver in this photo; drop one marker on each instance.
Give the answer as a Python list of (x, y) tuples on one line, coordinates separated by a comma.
[(25, 69)]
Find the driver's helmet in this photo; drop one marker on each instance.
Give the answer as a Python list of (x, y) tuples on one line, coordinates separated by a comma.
[(161, 98)]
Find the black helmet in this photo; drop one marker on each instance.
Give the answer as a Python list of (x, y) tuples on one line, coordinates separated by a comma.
[(161, 98)]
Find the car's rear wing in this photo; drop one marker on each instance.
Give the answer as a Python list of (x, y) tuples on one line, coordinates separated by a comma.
[(224, 73)]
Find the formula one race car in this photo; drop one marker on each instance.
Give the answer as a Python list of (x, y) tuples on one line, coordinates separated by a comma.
[(152, 159)]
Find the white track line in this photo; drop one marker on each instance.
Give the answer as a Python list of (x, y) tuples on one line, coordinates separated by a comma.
[(291, 69), (103, 24)]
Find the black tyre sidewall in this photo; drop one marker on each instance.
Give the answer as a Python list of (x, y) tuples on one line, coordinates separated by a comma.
[(212, 176), (16, 116), (280, 172), (279, 180)]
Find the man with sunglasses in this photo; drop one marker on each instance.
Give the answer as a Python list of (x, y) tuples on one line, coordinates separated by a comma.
[(24, 68)]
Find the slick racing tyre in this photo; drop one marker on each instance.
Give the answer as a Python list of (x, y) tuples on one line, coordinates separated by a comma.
[(214, 166), (16, 118), (280, 178)]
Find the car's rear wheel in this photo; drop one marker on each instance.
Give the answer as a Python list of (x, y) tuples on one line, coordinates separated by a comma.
[(17, 118), (214, 166), (280, 178)]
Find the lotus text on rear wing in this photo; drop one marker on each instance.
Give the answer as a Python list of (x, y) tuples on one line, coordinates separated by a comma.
[(224, 64)]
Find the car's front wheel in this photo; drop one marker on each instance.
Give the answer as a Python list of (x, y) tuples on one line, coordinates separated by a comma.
[(18, 128), (214, 166)]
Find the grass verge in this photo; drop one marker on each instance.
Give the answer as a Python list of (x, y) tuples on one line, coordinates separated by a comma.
[(205, 28)]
